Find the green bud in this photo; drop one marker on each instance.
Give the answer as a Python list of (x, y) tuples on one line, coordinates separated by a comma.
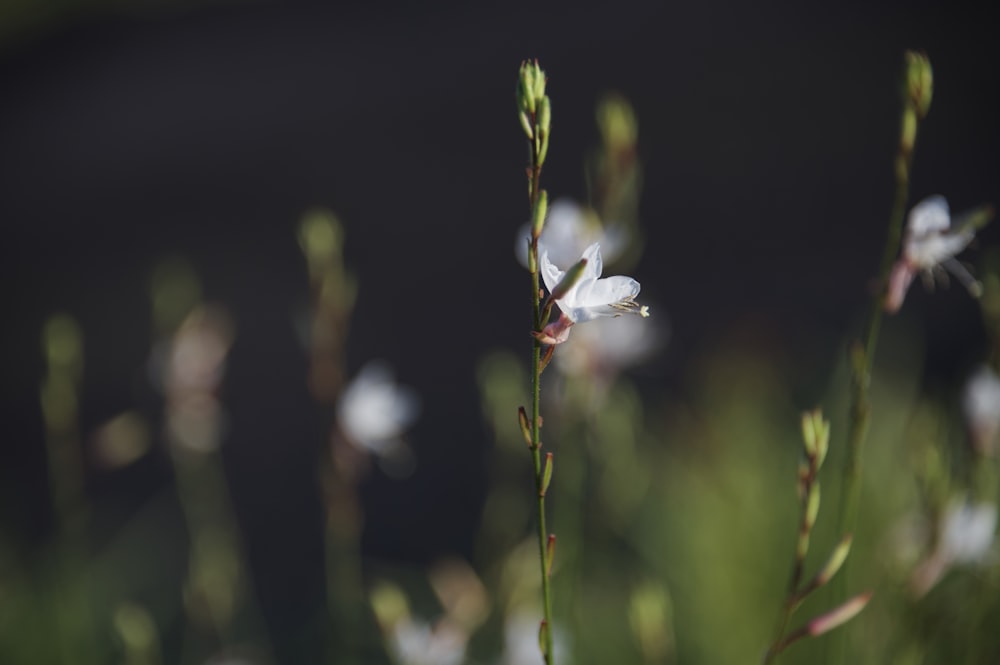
[(802, 546), (526, 125), (539, 213), (543, 637), (822, 439), (617, 122), (544, 116), (809, 433), (550, 554), (522, 417), (543, 148), (908, 131), (540, 80), (546, 475), (835, 561), (526, 87), (569, 280), (919, 82), (812, 506)]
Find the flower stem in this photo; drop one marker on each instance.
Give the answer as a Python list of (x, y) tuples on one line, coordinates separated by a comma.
[(862, 358), (916, 100), (536, 443), (538, 146)]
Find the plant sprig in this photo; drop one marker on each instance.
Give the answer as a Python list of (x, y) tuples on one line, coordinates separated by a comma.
[(535, 115), (816, 444)]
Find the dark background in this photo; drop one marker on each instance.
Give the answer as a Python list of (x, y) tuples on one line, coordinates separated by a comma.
[(129, 132)]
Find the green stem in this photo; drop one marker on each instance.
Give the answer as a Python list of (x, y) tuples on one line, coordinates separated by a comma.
[(860, 414), (536, 391), (863, 357)]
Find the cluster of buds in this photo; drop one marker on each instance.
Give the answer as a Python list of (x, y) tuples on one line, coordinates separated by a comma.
[(816, 444), (535, 109)]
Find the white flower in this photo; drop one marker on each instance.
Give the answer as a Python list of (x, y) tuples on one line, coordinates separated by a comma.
[(373, 411), (981, 404), (591, 297), (568, 230), (929, 245), (416, 643), (521, 641), (966, 538), (967, 533), (597, 349)]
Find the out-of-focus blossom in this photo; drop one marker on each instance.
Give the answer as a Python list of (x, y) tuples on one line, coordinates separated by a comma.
[(121, 440), (569, 229), (590, 297), (929, 247), (189, 371), (417, 643), (462, 594), (521, 641), (607, 346), (374, 411), (981, 404), (966, 538)]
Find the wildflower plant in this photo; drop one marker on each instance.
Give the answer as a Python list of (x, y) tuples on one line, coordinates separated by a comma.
[(581, 295), (816, 439)]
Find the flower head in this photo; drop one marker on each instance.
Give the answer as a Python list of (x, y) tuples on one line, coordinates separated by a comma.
[(590, 297), (981, 404), (373, 411), (967, 534), (930, 245)]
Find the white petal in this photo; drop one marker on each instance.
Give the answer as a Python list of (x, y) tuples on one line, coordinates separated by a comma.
[(595, 265), (551, 275), (929, 216), (607, 291), (929, 251)]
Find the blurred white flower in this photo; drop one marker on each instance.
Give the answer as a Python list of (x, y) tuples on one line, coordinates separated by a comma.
[(981, 404), (190, 369), (416, 643), (521, 641), (967, 533), (607, 346), (591, 297), (373, 411), (568, 230), (929, 246), (966, 538)]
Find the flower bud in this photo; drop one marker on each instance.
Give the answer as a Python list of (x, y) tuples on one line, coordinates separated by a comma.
[(544, 116), (526, 87), (838, 616), (569, 280), (812, 506), (522, 417), (836, 560), (546, 475), (539, 213), (919, 82)]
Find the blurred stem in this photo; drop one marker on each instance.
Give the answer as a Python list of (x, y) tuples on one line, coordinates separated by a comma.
[(863, 357), (60, 394), (795, 595), (536, 390)]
